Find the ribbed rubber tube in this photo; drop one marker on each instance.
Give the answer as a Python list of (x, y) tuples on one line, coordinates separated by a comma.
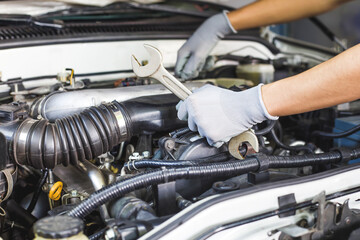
[(98, 235), (94, 131), (80, 137), (304, 160), (226, 169), (118, 189)]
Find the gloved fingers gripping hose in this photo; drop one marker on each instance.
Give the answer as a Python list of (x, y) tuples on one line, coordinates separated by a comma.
[(227, 169), (192, 55), (220, 114)]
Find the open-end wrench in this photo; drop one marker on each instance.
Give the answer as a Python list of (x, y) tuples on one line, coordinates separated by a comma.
[(156, 70)]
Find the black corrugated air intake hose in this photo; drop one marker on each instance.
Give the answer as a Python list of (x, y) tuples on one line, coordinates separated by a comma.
[(227, 169), (94, 131)]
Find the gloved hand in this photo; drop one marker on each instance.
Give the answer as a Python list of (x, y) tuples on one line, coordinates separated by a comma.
[(220, 114), (192, 55)]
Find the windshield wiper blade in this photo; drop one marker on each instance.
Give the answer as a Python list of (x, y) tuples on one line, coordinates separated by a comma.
[(23, 18), (125, 7)]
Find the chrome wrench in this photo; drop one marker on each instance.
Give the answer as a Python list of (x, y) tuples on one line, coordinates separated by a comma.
[(156, 70)]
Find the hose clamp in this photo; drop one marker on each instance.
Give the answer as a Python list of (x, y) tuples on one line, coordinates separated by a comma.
[(121, 123), (20, 139)]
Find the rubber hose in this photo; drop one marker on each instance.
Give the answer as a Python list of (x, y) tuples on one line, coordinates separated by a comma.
[(287, 147), (37, 191), (84, 136), (150, 163), (119, 189), (80, 137), (98, 235), (266, 129), (337, 135), (180, 132), (19, 214), (227, 169)]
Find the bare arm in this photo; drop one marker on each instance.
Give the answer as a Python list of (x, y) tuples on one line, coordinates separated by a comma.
[(332, 82), (266, 12)]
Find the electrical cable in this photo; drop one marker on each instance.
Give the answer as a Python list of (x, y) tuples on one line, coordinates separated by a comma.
[(255, 163), (280, 144), (266, 129), (337, 135)]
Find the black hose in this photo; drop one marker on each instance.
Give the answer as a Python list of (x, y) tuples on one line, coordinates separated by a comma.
[(266, 129), (118, 189), (179, 132), (19, 214), (98, 235), (84, 136), (80, 137), (305, 148), (226, 169), (337, 135), (37, 191), (150, 163)]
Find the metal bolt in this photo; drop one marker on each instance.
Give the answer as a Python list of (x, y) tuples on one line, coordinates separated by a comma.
[(347, 220), (146, 154), (170, 144), (136, 154), (74, 193), (110, 234)]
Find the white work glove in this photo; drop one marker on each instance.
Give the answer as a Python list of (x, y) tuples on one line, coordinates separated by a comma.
[(192, 55), (220, 114)]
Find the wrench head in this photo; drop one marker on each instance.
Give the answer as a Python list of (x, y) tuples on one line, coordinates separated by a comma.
[(153, 65)]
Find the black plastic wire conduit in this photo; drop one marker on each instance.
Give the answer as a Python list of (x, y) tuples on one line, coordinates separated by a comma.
[(227, 169)]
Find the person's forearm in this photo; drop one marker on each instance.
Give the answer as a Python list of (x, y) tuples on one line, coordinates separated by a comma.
[(267, 12), (330, 83)]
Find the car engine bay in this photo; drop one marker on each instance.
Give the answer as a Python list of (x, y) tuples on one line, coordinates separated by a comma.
[(106, 147)]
